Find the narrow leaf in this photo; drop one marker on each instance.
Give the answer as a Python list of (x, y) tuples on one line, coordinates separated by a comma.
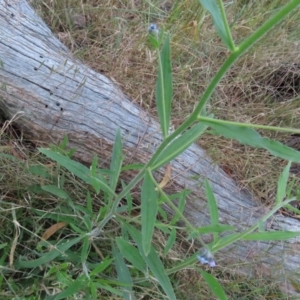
[(179, 145), (218, 228), (73, 288), (85, 249), (40, 171), (164, 89), (170, 241), (271, 236), (153, 262), (77, 169), (282, 183), (123, 275), (56, 191), (62, 247), (131, 254), (104, 264), (249, 136), (149, 207), (116, 161), (219, 22), (212, 206), (214, 285)]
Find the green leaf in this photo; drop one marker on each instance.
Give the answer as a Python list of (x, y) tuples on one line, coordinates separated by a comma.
[(220, 22), (77, 169), (282, 183), (56, 191), (215, 228), (179, 145), (149, 207), (128, 198), (214, 285), (164, 89), (116, 161), (249, 136), (212, 206), (101, 266), (271, 236), (85, 249), (62, 247), (181, 205), (153, 262), (170, 241), (73, 288), (40, 171), (131, 254), (123, 275)]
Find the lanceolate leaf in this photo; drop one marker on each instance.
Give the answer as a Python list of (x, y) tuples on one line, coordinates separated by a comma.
[(153, 262), (77, 169), (164, 89), (219, 22), (131, 254), (212, 205), (179, 145), (282, 183), (271, 236), (64, 246), (249, 136), (149, 211), (116, 161), (214, 285), (123, 275)]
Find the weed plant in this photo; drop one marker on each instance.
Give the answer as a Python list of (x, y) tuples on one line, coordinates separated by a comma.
[(107, 246)]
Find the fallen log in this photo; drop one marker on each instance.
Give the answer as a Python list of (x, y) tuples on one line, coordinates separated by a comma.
[(58, 95)]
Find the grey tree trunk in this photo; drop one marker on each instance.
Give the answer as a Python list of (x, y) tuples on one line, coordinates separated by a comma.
[(57, 95)]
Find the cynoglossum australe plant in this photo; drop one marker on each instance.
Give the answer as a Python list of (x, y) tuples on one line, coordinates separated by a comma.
[(145, 257)]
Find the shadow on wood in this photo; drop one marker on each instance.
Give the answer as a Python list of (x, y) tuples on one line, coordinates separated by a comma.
[(58, 95)]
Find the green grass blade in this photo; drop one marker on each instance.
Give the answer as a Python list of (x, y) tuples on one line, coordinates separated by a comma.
[(50, 255), (179, 145), (123, 275), (116, 161), (149, 207), (214, 285), (249, 136), (271, 236), (212, 206), (153, 262), (282, 183), (131, 254), (164, 88), (220, 22)]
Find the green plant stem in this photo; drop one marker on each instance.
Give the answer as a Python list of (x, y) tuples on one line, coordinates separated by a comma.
[(243, 47), (225, 22), (249, 125), (235, 238)]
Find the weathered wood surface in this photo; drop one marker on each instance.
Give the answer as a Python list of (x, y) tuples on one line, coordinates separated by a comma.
[(58, 95)]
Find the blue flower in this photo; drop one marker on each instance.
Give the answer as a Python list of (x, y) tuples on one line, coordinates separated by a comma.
[(153, 29), (205, 257)]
